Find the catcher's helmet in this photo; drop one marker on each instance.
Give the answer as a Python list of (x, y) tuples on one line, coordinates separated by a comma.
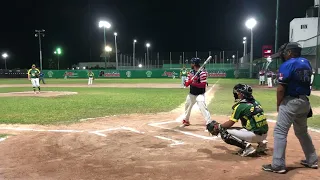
[(244, 89), (236, 87), (195, 61)]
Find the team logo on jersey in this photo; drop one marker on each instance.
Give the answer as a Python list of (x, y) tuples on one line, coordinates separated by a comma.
[(280, 76)]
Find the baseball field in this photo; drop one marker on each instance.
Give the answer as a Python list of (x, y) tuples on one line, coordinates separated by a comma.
[(129, 129)]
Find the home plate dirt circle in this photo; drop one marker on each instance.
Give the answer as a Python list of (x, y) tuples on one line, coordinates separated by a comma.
[(42, 94)]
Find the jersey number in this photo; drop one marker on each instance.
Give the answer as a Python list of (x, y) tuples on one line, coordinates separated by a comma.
[(303, 75)]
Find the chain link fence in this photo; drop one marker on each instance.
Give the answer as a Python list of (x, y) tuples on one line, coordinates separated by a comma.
[(174, 60)]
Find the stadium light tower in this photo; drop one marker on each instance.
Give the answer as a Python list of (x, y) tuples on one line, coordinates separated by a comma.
[(38, 34), (134, 52), (148, 45), (244, 46), (108, 49), (5, 56), (115, 44), (105, 25), (251, 23), (58, 52)]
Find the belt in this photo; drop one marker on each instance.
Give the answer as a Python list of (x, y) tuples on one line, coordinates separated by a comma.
[(297, 96), (259, 133)]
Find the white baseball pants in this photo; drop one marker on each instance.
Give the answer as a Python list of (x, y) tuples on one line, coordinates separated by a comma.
[(35, 82), (269, 81), (262, 79), (246, 135), (200, 100), (183, 79), (90, 80)]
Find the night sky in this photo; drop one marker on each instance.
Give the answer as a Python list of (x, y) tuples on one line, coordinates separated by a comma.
[(175, 25)]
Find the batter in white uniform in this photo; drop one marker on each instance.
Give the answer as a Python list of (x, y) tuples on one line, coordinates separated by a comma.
[(197, 91)]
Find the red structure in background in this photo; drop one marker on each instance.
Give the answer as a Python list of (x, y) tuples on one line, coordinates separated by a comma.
[(267, 51)]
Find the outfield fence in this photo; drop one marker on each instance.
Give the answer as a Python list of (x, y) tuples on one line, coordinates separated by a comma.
[(154, 73)]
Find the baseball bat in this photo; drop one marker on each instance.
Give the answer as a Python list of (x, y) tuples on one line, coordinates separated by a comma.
[(200, 69)]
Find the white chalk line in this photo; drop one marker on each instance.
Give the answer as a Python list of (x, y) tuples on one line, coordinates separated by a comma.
[(175, 142), (41, 130), (99, 133), (311, 129), (179, 119), (2, 139), (184, 132)]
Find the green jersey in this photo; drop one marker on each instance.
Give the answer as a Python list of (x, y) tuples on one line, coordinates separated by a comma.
[(183, 72), (251, 115), (34, 73), (91, 74)]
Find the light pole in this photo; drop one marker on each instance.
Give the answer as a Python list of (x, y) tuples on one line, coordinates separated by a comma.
[(244, 46), (148, 45), (58, 52), (105, 25), (108, 49), (251, 23), (5, 55), (233, 57), (115, 44), (38, 34), (134, 52)]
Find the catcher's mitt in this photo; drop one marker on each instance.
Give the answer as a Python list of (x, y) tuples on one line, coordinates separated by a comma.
[(214, 128)]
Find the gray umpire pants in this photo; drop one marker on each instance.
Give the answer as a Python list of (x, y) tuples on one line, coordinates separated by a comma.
[(292, 111)]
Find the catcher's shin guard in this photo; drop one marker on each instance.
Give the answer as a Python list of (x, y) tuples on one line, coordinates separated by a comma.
[(232, 140)]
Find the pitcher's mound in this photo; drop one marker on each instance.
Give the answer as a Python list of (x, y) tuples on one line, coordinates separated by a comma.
[(42, 94)]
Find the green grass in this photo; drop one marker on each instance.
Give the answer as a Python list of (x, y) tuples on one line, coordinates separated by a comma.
[(97, 81), (90, 102), (223, 100), (97, 102), (3, 135), (314, 121)]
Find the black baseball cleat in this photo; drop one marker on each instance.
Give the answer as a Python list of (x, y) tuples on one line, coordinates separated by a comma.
[(269, 168), (313, 166)]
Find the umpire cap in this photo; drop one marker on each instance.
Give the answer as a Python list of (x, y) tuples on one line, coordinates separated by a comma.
[(287, 46)]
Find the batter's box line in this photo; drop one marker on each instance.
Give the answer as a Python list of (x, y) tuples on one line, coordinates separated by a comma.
[(100, 132), (175, 142), (2, 139), (183, 132)]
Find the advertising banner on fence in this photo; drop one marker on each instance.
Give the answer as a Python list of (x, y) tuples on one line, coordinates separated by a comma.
[(129, 73), (217, 74), (169, 74), (109, 74)]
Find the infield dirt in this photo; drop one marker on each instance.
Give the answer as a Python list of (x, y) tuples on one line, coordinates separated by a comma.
[(129, 147)]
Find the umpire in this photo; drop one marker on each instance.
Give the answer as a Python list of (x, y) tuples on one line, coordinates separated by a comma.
[(293, 107), (41, 77)]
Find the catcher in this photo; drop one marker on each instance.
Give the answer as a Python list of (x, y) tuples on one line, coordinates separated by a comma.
[(254, 124), (235, 93)]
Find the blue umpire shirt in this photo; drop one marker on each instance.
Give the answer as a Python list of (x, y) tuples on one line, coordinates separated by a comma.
[(296, 73)]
